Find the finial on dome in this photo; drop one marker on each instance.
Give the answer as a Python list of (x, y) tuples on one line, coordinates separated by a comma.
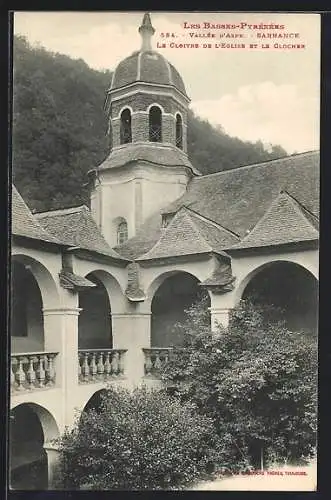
[(147, 31)]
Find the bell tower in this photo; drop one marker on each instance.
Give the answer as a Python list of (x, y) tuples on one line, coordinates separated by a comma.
[(147, 168)]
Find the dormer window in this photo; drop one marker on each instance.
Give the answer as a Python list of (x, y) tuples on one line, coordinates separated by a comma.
[(166, 219), (125, 131), (155, 124), (179, 131), (122, 232)]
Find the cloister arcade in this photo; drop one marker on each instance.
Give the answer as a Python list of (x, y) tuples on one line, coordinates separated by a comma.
[(66, 346)]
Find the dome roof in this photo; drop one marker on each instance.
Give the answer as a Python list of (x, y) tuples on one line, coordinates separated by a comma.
[(147, 66)]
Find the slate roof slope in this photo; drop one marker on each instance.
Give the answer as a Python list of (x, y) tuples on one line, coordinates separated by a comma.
[(238, 198), (188, 234), (76, 227), (24, 223), (154, 153), (284, 222)]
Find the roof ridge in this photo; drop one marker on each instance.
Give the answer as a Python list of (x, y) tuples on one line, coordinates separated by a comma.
[(297, 206), (61, 211), (301, 206), (185, 210), (211, 222), (273, 205), (240, 167), (168, 228)]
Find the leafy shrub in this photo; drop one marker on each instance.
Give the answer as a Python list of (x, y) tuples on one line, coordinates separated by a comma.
[(255, 379), (137, 440)]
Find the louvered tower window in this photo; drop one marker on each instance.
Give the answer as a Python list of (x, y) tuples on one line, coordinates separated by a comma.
[(179, 132), (125, 133), (155, 124)]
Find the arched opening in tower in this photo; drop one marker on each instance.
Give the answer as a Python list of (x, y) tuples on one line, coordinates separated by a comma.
[(27, 323), (125, 129), (94, 322), (179, 132), (290, 288), (175, 295), (155, 124)]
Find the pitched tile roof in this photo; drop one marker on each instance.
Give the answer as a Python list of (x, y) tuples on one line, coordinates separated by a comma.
[(147, 235), (159, 154), (76, 227), (238, 198), (188, 234), (284, 222), (24, 223)]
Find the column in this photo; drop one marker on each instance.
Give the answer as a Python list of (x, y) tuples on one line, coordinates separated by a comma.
[(61, 335), (221, 305), (53, 457), (131, 331)]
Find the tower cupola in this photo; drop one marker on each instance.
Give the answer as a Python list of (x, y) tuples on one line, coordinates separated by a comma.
[(147, 108)]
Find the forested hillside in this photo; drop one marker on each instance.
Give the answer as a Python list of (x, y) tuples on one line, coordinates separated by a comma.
[(59, 130)]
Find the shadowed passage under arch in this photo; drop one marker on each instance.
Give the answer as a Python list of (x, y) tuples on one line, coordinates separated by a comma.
[(176, 294), (31, 427), (290, 287)]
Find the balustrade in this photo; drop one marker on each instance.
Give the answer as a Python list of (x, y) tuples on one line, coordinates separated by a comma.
[(155, 360), (31, 371), (100, 364)]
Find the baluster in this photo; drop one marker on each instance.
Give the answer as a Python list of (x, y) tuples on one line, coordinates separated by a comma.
[(50, 370), (85, 367), (31, 374), (93, 366), (79, 368), (100, 365), (148, 363), (107, 365), (41, 372), (157, 363), (121, 362), (20, 374), (114, 364)]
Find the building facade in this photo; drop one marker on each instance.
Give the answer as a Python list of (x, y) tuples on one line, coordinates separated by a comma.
[(97, 291)]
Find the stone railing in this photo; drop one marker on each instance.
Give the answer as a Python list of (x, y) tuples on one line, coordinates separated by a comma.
[(31, 371), (95, 365), (155, 359)]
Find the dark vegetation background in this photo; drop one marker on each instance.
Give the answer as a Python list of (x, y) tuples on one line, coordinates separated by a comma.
[(59, 130)]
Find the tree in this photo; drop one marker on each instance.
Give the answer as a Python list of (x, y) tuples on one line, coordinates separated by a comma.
[(137, 440), (255, 379)]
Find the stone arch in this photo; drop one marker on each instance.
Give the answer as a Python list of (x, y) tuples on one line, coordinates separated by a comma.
[(117, 299), (47, 285), (95, 400), (32, 429), (285, 284), (33, 289), (173, 293)]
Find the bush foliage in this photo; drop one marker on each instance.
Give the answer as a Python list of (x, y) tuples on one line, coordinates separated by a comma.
[(137, 440), (255, 379)]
